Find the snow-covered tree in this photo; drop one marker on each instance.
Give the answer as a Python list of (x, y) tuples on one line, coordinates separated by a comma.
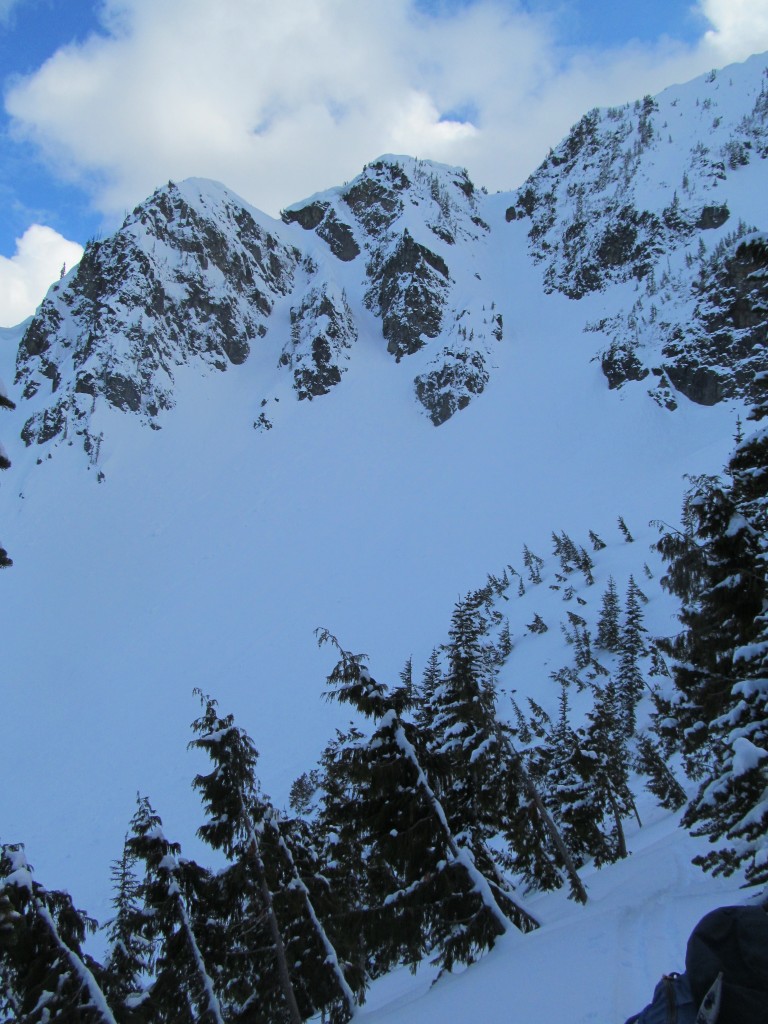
[(274, 857), (724, 678), (44, 974), (177, 896), (128, 966), (428, 889)]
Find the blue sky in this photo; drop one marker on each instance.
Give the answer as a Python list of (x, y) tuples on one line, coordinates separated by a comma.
[(104, 101)]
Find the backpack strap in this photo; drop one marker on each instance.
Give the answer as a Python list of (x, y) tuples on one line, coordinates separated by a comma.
[(710, 1006)]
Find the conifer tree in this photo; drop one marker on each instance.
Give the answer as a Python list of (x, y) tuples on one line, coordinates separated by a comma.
[(128, 966), (427, 889), (177, 896), (608, 622), (533, 564), (723, 682), (597, 543), (45, 974), (660, 779), (606, 750), (268, 854), (567, 780), (630, 682)]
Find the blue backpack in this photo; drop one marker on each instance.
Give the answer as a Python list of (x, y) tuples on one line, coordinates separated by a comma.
[(726, 974), (673, 1003)]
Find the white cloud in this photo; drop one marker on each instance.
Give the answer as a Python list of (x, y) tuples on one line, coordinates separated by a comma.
[(26, 277), (281, 101), (739, 27)]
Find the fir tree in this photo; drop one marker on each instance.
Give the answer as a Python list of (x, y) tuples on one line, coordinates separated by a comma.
[(597, 543), (128, 966), (45, 974), (625, 530), (266, 853), (566, 778), (427, 889), (630, 682), (177, 895), (533, 564), (660, 781), (608, 622), (723, 683), (606, 751)]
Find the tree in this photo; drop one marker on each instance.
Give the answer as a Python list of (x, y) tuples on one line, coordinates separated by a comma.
[(608, 622), (45, 974), (128, 966), (427, 889), (724, 681), (629, 680), (177, 897), (270, 854)]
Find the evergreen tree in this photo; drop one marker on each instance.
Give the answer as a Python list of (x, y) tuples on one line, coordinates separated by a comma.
[(533, 564), (45, 974), (128, 966), (269, 854), (597, 543), (625, 530), (428, 890), (660, 779), (177, 912), (605, 749), (724, 681), (608, 623), (630, 682)]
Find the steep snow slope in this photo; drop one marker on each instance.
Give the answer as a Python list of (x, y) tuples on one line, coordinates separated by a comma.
[(210, 553), (206, 553)]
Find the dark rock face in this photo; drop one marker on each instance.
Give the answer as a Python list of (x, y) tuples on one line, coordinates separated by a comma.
[(322, 333), (713, 217), (322, 218), (620, 364), (726, 344), (409, 293), (183, 280), (450, 386)]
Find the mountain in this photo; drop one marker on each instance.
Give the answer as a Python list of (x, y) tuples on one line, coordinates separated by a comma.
[(231, 430)]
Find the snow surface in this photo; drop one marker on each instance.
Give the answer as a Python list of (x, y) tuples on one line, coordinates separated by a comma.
[(210, 553)]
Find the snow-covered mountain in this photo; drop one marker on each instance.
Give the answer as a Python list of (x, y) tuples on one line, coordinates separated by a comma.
[(580, 344)]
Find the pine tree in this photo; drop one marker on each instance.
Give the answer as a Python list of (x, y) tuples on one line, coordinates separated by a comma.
[(45, 974), (625, 530), (725, 682), (128, 966), (597, 543), (267, 854), (608, 622), (630, 682), (177, 898), (533, 564), (427, 889), (605, 748), (660, 779)]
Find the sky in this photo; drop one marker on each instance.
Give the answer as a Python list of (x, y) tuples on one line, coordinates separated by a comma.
[(105, 100)]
